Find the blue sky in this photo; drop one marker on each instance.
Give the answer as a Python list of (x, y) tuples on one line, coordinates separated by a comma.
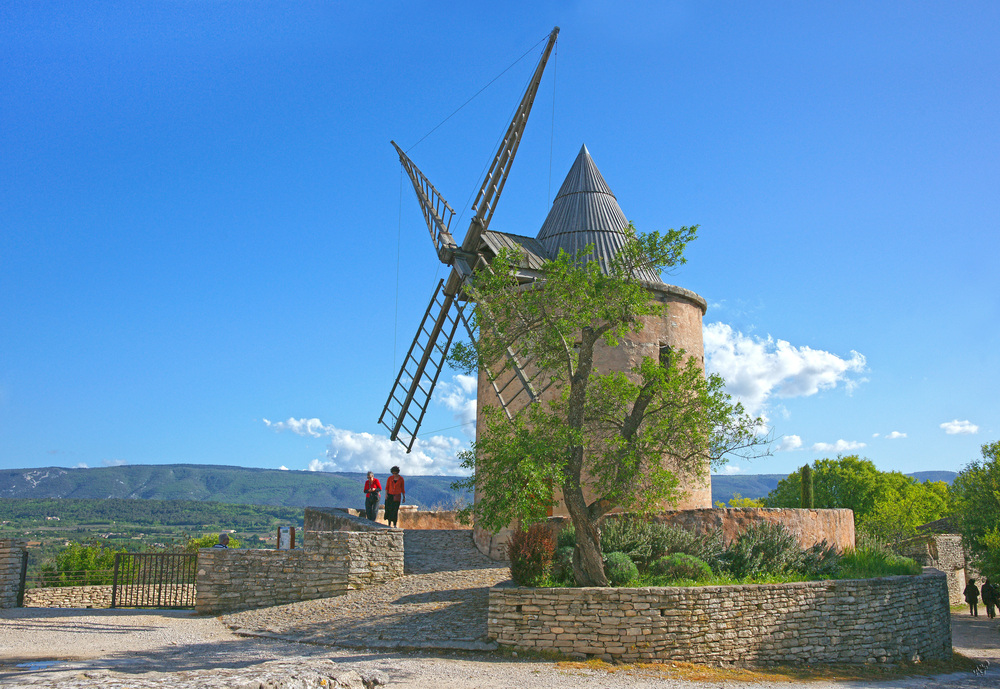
[(208, 253)]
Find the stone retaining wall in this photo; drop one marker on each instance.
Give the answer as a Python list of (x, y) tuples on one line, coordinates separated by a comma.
[(410, 517), (68, 597), (330, 563), (944, 552), (881, 620), (12, 554), (835, 526)]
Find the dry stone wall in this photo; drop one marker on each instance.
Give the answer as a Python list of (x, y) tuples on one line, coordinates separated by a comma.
[(330, 563), (68, 597), (944, 552), (12, 555), (881, 620)]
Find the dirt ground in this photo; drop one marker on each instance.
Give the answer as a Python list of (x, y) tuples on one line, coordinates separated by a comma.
[(128, 648)]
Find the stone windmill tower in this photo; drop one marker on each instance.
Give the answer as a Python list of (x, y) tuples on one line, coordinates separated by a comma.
[(584, 212)]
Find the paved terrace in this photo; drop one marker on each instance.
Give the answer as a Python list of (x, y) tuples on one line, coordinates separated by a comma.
[(441, 603)]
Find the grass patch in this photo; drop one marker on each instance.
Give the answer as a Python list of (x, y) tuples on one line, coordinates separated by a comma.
[(694, 672)]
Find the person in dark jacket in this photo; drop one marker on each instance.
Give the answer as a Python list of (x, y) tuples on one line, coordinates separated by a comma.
[(971, 594), (990, 598)]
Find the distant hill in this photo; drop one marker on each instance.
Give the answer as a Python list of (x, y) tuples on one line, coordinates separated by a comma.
[(228, 484), (247, 486)]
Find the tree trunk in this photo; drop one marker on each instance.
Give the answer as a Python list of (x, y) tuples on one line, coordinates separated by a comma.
[(588, 564)]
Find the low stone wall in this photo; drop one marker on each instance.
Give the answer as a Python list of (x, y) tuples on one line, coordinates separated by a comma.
[(68, 597), (12, 554), (881, 620), (330, 563), (835, 526), (410, 517)]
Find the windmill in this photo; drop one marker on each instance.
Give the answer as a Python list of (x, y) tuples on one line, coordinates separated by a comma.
[(411, 392)]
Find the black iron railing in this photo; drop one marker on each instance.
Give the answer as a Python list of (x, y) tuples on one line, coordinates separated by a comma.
[(154, 580)]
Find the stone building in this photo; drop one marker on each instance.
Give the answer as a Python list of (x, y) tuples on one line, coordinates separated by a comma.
[(939, 545), (586, 212)]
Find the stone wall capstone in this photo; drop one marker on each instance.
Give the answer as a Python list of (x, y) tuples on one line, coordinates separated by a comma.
[(329, 563), (13, 553), (880, 620)]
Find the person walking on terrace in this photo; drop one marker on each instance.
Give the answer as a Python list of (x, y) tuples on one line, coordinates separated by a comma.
[(373, 490), (395, 493), (991, 598), (971, 594)]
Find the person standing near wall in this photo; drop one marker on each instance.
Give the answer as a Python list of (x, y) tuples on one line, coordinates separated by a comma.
[(373, 489), (395, 493), (971, 594)]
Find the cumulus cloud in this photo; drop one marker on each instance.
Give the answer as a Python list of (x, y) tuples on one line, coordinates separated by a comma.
[(283, 468), (311, 427), (459, 397), (789, 443), (114, 462), (839, 446), (352, 451), (81, 465), (757, 369), (895, 434), (730, 469), (957, 427)]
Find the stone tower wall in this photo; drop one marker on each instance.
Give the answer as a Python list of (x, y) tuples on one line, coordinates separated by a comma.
[(679, 327)]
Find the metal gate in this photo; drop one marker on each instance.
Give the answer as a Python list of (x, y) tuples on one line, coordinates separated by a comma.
[(154, 580)]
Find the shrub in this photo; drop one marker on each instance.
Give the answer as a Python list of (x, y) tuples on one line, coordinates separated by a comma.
[(873, 558), (530, 554), (562, 565), (821, 560), (682, 566), (566, 537), (763, 548), (629, 536), (620, 569)]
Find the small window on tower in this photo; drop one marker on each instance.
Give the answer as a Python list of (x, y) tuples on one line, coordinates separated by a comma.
[(664, 355)]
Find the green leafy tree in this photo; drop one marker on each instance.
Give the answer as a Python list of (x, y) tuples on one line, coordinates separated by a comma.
[(81, 565), (613, 427), (977, 507), (207, 541), (889, 505)]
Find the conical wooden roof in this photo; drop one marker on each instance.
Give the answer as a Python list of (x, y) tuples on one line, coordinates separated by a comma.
[(586, 212)]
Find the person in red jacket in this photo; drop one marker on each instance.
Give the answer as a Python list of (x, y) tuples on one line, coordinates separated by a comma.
[(373, 490), (395, 493)]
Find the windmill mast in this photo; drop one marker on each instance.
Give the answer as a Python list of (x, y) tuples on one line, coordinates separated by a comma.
[(425, 359)]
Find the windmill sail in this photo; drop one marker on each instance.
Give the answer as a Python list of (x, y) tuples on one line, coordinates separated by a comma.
[(411, 392)]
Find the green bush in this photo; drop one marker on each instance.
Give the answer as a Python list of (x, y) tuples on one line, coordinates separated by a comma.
[(566, 537), (762, 548), (562, 565), (620, 569), (682, 566), (629, 536), (207, 541), (530, 554), (869, 560), (821, 560)]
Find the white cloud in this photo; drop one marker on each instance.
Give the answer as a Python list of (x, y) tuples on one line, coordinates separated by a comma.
[(282, 468), (730, 469), (875, 435), (789, 443), (957, 427), (81, 465), (310, 427), (459, 397), (352, 451), (114, 462), (894, 435), (839, 446), (756, 369)]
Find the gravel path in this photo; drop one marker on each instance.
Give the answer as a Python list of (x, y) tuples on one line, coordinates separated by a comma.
[(352, 641)]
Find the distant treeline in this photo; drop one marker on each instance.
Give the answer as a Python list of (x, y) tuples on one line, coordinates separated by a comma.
[(75, 512)]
